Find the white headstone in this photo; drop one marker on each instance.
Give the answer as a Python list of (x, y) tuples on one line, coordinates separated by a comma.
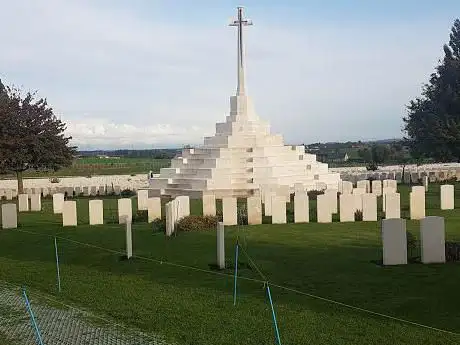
[(229, 211), (447, 197), (117, 190), (36, 202), (347, 187), (209, 205), (86, 191), (417, 204), (332, 197), (9, 194), (9, 216), (170, 210), (358, 201), (347, 208), (183, 203), (392, 206), (363, 184), (96, 212), (377, 187), (425, 183), (369, 207), (254, 206), (93, 190), (432, 240), (394, 241), (69, 213), (142, 196), (220, 246), (58, 203), (101, 190), (323, 209), (267, 200), (301, 207), (278, 209), (45, 191), (153, 209), (125, 210), (23, 202), (129, 239)]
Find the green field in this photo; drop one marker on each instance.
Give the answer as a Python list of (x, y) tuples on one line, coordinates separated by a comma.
[(170, 287), (90, 166)]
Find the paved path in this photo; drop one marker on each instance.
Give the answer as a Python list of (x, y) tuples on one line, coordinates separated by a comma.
[(61, 325)]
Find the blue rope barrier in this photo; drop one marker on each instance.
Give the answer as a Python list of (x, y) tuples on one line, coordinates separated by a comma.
[(236, 273), (57, 266), (275, 323), (32, 317)]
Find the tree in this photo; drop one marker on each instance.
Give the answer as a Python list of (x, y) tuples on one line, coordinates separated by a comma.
[(31, 137), (433, 120)]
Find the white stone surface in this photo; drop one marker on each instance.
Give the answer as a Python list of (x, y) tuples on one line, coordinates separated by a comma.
[(385, 191), (447, 197), (278, 210), (58, 203), (220, 246), (229, 211), (392, 206), (23, 202), (332, 197), (417, 204), (425, 183), (9, 216), (394, 241), (358, 201), (142, 197), (323, 209), (267, 196), (129, 240), (96, 212), (377, 187), (254, 206), (301, 207), (209, 205), (36, 202), (153, 209), (364, 184), (9, 194), (432, 240), (171, 211), (369, 207), (183, 206), (69, 213), (347, 208), (125, 210), (347, 187)]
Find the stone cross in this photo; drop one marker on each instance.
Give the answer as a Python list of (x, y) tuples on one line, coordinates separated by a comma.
[(240, 22)]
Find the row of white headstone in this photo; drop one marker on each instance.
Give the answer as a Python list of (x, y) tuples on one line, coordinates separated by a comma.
[(432, 241), (8, 194)]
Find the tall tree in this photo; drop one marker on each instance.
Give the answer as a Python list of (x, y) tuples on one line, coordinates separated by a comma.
[(433, 120), (31, 136)]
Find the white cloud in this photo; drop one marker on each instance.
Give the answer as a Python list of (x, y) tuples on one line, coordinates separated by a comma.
[(119, 79)]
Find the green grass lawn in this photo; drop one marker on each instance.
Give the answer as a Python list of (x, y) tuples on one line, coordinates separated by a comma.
[(96, 166), (334, 261)]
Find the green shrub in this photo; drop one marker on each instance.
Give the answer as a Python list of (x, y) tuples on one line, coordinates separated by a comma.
[(358, 215), (313, 194), (411, 244), (127, 193), (159, 225), (197, 223), (55, 180), (140, 217)]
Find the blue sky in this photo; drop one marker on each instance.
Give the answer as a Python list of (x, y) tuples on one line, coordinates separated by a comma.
[(147, 73)]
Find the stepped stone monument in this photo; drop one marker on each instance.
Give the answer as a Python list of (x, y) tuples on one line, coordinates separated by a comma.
[(243, 156)]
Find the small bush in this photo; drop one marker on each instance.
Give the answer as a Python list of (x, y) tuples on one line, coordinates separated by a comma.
[(242, 215), (55, 180), (452, 251), (411, 244), (313, 194), (159, 225), (197, 223), (140, 217), (358, 215), (220, 216), (127, 193)]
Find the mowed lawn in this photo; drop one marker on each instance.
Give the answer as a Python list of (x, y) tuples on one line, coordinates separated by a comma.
[(170, 287)]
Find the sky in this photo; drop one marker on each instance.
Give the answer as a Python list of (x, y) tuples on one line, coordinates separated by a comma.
[(151, 73)]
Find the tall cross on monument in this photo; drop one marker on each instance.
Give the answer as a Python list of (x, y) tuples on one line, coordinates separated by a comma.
[(240, 22)]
